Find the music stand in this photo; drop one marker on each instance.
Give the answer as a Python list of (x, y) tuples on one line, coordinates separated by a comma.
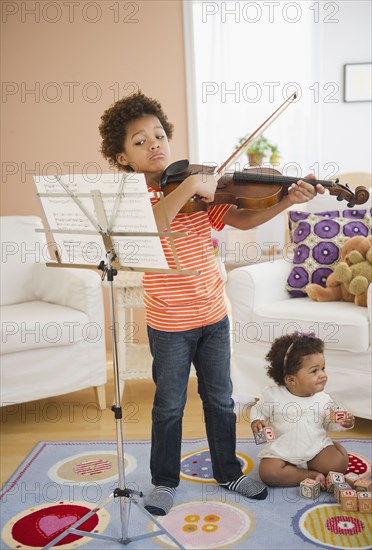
[(110, 269)]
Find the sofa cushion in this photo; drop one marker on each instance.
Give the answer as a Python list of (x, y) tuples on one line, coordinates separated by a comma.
[(317, 239), (21, 247), (342, 326), (33, 325)]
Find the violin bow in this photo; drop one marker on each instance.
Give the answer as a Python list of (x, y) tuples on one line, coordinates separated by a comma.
[(256, 134)]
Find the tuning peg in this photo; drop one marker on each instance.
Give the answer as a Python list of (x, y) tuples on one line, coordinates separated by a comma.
[(351, 204), (340, 197)]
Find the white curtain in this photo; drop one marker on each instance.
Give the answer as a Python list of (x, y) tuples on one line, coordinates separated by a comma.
[(243, 59)]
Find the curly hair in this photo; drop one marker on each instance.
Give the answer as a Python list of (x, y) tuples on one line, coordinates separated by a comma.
[(115, 120), (286, 354)]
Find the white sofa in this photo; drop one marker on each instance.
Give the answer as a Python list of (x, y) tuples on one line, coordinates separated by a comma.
[(262, 310), (52, 320)]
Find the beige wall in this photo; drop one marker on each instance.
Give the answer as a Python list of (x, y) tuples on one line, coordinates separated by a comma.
[(63, 64)]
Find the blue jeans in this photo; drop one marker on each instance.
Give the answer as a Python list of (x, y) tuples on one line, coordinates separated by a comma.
[(208, 348)]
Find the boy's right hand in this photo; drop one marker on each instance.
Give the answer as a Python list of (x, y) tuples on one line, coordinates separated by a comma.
[(203, 185), (257, 425)]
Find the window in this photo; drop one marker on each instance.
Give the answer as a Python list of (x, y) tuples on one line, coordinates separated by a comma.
[(243, 59)]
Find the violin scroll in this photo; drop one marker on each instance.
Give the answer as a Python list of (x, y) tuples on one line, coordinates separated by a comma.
[(361, 195), (343, 192)]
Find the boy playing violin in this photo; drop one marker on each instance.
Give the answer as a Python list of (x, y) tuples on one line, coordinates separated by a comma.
[(186, 316)]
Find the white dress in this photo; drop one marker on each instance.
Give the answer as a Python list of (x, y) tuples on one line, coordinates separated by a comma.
[(300, 424)]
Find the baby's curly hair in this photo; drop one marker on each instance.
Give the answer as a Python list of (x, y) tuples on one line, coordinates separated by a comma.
[(115, 120), (286, 354)]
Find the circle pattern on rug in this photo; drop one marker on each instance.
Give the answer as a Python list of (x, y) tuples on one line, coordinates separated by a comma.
[(90, 467), (39, 525), (203, 525), (197, 466), (359, 464), (328, 525)]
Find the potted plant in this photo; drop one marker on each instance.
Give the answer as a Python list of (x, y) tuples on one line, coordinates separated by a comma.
[(259, 149)]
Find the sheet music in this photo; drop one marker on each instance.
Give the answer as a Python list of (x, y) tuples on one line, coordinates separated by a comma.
[(85, 246)]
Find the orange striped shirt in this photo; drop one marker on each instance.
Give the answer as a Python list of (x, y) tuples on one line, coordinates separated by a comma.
[(182, 302)]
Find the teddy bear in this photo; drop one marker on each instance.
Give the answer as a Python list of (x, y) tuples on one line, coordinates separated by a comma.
[(351, 277)]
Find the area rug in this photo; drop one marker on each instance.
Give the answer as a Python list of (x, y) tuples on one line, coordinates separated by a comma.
[(59, 482)]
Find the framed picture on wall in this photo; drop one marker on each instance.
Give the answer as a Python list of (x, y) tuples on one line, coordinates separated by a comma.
[(358, 82)]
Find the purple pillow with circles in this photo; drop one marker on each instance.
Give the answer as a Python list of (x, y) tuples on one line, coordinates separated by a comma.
[(317, 240)]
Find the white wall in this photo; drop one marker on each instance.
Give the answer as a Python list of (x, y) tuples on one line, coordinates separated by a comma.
[(345, 127)]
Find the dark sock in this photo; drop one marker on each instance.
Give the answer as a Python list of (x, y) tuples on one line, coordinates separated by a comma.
[(247, 487), (160, 500)]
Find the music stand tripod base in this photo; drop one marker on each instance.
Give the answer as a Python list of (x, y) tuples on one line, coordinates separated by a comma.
[(73, 529)]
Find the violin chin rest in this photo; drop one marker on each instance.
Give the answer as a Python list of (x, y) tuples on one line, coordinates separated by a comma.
[(177, 167), (173, 169)]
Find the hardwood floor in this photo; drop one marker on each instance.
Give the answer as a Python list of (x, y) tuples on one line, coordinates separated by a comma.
[(75, 417)]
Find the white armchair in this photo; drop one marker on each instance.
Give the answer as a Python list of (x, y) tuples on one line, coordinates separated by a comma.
[(262, 310), (52, 320)]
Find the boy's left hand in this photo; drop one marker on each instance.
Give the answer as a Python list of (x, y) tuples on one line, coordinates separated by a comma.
[(348, 422), (301, 191)]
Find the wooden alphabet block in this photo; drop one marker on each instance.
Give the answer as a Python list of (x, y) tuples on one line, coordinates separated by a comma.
[(365, 502), (259, 437), (332, 478), (265, 435), (309, 488), (337, 414), (351, 478), (340, 416), (337, 488), (349, 500), (269, 432), (363, 485)]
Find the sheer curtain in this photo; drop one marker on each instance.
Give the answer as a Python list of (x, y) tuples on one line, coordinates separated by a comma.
[(243, 59)]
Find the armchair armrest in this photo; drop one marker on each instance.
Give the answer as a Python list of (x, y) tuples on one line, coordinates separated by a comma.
[(76, 288), (259, 284)]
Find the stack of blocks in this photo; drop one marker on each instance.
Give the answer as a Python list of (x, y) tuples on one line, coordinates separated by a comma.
[(351, 491)]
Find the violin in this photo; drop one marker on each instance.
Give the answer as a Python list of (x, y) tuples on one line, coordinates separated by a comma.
[(256, 188), (253, 188)]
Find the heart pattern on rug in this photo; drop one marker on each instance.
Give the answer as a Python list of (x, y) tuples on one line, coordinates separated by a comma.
[(50, 525)]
